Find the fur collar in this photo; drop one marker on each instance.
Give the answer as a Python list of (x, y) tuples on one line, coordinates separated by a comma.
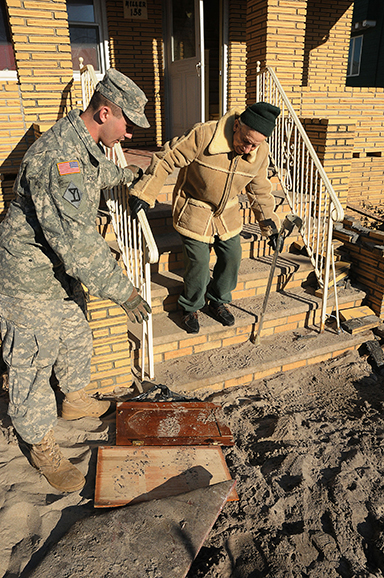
[(222, 140)]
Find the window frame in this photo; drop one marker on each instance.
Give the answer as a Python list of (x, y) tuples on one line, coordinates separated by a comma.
[(102, 26), (9, 74), (351, 53)]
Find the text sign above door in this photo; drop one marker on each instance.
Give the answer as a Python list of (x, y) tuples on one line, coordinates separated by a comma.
[(135, 9)]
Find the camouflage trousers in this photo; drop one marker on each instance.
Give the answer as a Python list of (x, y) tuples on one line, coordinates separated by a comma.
[(39, 337)]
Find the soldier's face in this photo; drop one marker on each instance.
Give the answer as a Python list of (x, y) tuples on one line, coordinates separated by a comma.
[(116, 129), (245, 139)]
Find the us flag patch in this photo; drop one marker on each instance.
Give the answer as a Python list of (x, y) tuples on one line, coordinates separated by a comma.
[(68, 167)]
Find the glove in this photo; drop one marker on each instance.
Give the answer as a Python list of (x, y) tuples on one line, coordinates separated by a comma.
[(135, 204), (273, 242), (136, 308), (137, 173)]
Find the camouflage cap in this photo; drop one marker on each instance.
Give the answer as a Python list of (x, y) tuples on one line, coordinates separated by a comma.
[(123, 92)]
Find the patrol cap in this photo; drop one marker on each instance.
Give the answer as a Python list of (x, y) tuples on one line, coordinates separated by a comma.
[(123, 92), (261, 117)]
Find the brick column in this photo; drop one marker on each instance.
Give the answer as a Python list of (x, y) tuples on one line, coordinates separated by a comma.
[(237, 54), (43, 58), (275, 36), (333, 141)]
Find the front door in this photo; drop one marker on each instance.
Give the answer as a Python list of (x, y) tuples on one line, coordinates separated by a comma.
[(184, 65)]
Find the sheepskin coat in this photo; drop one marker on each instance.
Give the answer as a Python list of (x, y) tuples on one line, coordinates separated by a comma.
[(205, 197)]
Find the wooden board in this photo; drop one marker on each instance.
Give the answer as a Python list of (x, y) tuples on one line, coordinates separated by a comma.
[(170, 423), (157, 538), (355, 312), (129, 475), (361, 324)]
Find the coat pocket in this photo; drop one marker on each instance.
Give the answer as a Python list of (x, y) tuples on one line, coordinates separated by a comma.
[(194, 217)]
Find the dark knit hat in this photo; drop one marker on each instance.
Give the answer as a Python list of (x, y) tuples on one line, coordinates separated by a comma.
[(123, 92), (261, 116)]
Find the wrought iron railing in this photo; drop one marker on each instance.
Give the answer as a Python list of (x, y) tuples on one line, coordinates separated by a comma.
[(134, 237), (307, 188)]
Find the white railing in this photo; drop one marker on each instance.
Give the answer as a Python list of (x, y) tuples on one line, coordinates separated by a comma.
[(309, 193), (134, 237)]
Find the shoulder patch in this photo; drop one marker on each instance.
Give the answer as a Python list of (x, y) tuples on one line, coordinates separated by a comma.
[(68, 167), (73, 195)]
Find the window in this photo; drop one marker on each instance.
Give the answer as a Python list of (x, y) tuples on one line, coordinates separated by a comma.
[(87, 31), (354, 57), (7, 56)]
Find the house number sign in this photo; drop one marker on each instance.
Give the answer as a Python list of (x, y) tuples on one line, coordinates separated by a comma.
[(135, 9)]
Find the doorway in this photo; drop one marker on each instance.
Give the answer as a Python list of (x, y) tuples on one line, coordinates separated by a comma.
[(195, 62)]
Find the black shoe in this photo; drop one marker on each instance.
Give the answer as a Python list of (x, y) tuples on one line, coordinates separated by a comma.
[(191, 322), (221, 313)]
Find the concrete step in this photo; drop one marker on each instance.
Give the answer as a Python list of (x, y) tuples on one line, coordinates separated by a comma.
[(287, 310), (234, 365), (291, 271), (252, 243)]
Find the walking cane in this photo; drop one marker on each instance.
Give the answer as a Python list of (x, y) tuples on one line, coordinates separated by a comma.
[(286, 229)]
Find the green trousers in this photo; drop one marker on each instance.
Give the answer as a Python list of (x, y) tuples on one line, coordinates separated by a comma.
[(198, 285)]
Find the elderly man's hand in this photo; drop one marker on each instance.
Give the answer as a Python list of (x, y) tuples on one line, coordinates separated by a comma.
[(272, 242), (136, 204), (136, 308)]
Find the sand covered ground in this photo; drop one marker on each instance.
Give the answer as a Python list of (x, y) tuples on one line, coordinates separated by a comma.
[(308, 462)]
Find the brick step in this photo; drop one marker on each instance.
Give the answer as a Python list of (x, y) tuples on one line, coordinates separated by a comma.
[(230, 366), (291, 271), (288, 310), (252, 243)]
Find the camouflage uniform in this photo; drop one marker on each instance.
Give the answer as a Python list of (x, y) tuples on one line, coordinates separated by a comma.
[(49, 246)]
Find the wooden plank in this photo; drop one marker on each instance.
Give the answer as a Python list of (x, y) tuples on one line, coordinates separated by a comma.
[(130, 475), (354, 326), (157, 538), (355, 312), (170, 423)]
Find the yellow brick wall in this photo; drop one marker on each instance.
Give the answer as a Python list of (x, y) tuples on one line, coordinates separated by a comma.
[(366, 183), (136, 49), (43, 56), (327, 34), (237, 52), (286, 39)]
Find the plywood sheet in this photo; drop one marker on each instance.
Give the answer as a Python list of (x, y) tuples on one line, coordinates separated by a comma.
[(170, 423), (157, 538), (129, 475)]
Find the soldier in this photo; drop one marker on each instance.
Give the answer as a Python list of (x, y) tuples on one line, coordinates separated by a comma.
[(218, 159), (49, 247)]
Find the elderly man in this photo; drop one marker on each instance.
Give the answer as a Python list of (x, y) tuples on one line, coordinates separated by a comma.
[(218, 159), (49, 247)]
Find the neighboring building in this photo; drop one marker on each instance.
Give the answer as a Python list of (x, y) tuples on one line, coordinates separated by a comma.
[(366, 51), (195, 59)]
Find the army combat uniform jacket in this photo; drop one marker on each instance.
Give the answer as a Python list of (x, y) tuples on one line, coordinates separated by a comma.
[(48, 240), (205, 197)]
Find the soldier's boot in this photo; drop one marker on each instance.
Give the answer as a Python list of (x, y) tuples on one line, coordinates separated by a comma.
[(79, 404), (46, 456)]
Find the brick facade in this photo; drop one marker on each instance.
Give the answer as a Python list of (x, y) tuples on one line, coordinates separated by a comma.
[(305, 41)]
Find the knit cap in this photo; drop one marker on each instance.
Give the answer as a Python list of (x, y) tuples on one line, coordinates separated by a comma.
[(261, 117)]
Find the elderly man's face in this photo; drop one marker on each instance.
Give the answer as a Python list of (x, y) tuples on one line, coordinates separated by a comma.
[(245, 139)]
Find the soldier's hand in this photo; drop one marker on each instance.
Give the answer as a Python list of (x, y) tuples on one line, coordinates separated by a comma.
[(137, 173), (272, 242), (136, 308), (136, 204)]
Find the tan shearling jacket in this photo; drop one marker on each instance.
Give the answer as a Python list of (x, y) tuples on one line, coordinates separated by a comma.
[(205, 197)]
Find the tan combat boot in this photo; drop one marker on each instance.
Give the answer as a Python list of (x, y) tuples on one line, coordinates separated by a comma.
[(79, 404), (60, 473)]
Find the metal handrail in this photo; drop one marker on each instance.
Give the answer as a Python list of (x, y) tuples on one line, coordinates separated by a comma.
[(307, 188), (134, 238)]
